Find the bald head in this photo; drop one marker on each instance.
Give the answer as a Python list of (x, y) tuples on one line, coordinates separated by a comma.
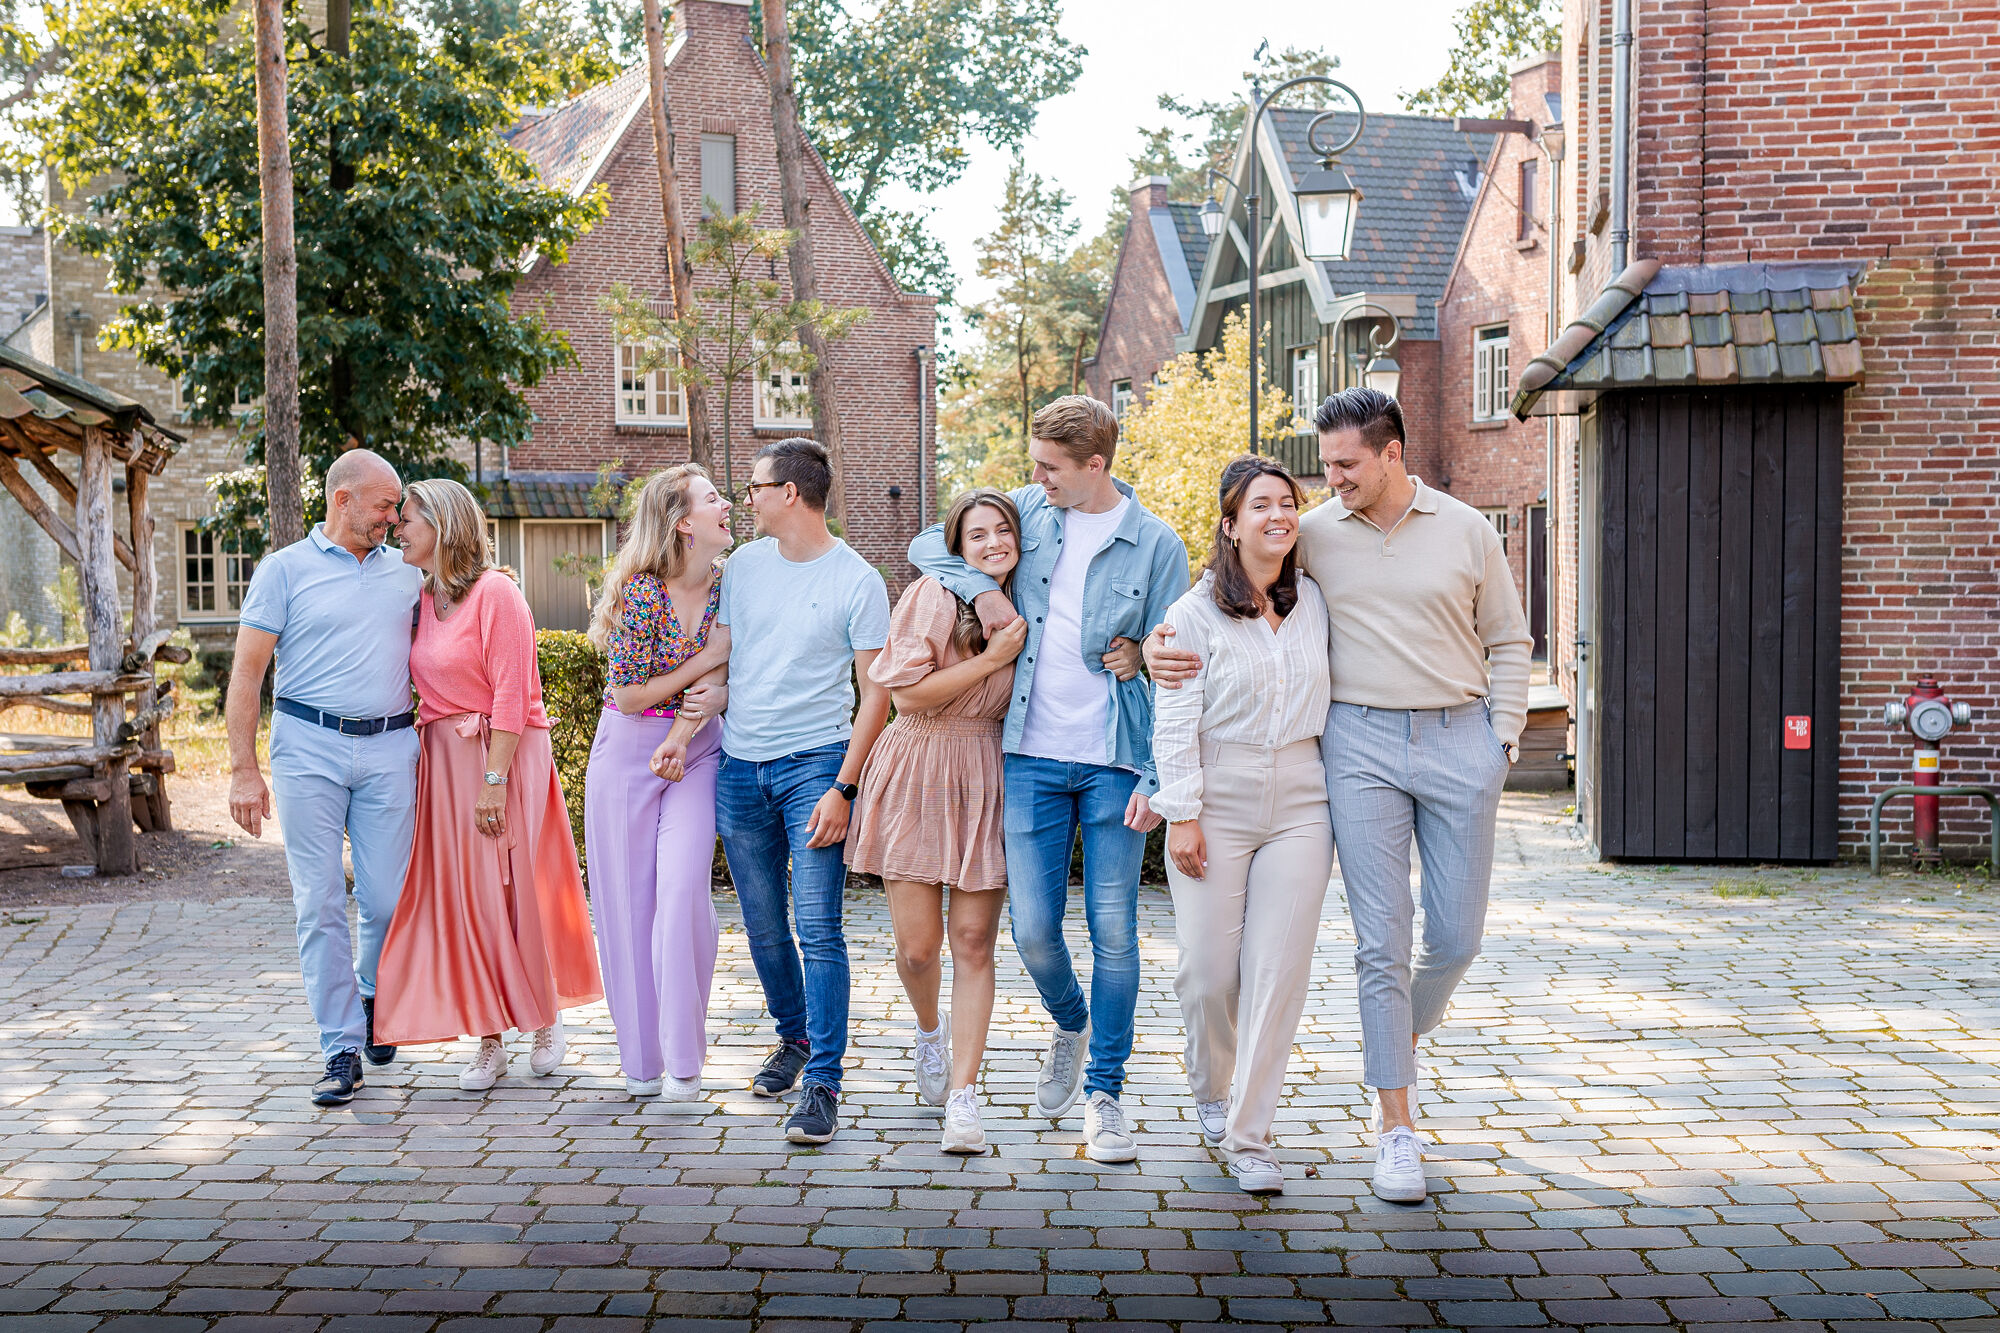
[(361, 495)]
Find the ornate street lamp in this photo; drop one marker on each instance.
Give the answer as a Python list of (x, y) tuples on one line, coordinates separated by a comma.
[(1381, 370), (1327, 202)]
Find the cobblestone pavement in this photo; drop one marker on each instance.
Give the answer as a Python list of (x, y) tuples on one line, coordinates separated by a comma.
[(1694, 1098)]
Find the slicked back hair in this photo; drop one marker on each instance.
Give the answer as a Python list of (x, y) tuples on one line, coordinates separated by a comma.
[(803, 463), (1375, 414)]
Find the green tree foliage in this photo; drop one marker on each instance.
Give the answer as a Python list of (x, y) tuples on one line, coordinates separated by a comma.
[(899, 91), (576, 45), (1492, 34), (406, 339), (742, 326), (1031, 336)]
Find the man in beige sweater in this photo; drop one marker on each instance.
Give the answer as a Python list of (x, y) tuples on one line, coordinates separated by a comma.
[(1429, 654)]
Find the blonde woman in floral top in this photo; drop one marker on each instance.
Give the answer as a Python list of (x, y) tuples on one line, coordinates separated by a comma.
[(649, 794)]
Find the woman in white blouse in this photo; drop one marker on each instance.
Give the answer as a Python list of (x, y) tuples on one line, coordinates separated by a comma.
[(1249, 844)]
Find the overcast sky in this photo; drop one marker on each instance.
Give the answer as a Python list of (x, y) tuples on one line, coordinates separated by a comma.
[(1139, 49)]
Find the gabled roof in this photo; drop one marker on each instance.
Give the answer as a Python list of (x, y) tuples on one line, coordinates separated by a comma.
[(1193, 245), (1413, 207), (569, 145), (1701, 325), (53, 406)]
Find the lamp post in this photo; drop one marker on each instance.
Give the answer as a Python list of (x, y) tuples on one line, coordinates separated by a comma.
[(1327, 204), (1381, 371)]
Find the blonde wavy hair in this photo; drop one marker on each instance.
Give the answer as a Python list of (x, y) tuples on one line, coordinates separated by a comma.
[(463, 553), (651, 547)]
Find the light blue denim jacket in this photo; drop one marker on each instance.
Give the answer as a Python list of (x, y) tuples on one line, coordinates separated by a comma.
[(1141, 572)]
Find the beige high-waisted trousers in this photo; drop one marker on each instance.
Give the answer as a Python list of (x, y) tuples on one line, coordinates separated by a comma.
[(1247, 930)]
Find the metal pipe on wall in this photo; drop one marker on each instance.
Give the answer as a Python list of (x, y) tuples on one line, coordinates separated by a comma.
[(923, 436), (1621, 134)]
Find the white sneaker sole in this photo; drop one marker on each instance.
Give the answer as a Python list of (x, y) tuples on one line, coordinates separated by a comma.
[(680, 1090), (541, 1069), (468, 1083), (1399, 1191), (971, 1144), (1259, 1182), (642, 1087)]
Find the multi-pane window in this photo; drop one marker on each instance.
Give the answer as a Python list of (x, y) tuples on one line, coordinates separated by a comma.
[(1489, 373), (783, 397), (1121, 398), (718, 174), (214, 573), (1502, 521), (1305, 387), (647, 397)]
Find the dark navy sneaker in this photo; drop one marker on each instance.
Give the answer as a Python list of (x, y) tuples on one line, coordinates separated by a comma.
[(781, 1070), (815, 1117), (342, 1078), (377, 1053)]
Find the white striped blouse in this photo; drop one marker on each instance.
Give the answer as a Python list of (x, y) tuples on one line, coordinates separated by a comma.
[(1256, 686)]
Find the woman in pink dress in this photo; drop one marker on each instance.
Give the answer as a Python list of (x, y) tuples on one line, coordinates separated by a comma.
[(492, 932)]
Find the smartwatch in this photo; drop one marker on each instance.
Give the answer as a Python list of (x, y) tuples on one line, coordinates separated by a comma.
[(847, 790)]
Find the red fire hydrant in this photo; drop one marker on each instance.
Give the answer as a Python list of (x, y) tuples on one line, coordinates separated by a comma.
[(1930, 716)]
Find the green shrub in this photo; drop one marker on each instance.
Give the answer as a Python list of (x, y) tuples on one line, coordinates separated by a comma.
[(573, 692)]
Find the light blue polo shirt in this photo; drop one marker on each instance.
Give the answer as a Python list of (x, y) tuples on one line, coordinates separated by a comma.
[(343, 625)]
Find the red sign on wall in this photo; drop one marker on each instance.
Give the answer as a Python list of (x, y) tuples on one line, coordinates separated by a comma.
[(1798, 733)]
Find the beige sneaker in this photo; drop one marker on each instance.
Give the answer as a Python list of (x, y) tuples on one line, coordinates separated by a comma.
[(486, 1067), (549, 1049)]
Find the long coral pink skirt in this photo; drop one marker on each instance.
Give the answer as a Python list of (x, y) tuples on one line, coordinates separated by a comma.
[(491, 934)]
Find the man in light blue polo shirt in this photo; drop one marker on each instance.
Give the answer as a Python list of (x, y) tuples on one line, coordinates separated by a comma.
[(337, 609)]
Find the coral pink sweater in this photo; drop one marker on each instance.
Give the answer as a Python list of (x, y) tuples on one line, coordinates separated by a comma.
[(480, 658)]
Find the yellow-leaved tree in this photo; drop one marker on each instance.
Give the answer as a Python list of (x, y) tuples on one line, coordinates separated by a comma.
[(1173, 447)]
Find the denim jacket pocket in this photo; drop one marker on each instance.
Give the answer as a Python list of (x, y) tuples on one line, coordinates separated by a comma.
[(1125, 611)]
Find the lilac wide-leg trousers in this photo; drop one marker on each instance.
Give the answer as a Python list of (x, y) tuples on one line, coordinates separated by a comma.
[(650, 847)]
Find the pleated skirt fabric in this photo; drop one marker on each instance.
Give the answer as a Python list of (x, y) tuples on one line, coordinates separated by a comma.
[(929, 809)]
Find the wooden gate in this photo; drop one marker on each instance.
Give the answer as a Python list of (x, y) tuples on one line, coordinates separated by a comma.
[(559, 600), (1716, 618)]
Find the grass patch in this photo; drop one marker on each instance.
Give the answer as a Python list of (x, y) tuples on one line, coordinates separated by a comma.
[(1746, 888)]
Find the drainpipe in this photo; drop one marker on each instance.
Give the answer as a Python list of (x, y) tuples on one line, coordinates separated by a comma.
[(1551, 142), (923, 443), (1621, 134)]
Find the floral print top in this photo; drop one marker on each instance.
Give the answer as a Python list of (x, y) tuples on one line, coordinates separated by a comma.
[(648, 640)]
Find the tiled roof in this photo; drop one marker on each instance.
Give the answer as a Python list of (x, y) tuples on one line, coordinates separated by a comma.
[(68, 404), (1194, 241), (544, 495), (1706, 324), (1412, 208), (566, 143)]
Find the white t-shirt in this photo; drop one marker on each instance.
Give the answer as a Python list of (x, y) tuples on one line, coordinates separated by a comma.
[(1069, 704)]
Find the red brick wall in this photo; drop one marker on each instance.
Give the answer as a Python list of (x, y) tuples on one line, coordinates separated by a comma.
[(716, 85), (1864, 131), (1141, 320), (1499, 279)]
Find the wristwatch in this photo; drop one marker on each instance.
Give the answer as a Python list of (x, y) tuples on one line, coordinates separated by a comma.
[(1509, 749), (496, 779), (847, 790)]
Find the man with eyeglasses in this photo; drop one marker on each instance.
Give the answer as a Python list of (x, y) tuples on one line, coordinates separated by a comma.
[(806, 616)]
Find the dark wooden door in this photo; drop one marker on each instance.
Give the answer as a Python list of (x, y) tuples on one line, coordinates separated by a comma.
[(1538, 579), (1716, 618)]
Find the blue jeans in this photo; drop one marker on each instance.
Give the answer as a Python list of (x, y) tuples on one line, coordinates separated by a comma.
[(325, 785), (1046, 801), (761, 811)]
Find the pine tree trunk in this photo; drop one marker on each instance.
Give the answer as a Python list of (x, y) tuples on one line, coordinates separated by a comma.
[(284, 493), (680, 275), (805, 278)]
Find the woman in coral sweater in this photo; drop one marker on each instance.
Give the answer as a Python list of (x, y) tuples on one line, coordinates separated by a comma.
[(492, 932)]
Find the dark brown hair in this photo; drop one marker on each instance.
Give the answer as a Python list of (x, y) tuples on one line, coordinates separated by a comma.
[(967, 636), (804, 464), (1231, 586), (1080, 426), (1375, 414)]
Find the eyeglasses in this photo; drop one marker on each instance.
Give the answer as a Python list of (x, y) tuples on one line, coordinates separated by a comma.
[(743, 493)]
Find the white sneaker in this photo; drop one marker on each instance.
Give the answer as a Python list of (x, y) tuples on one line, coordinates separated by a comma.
[(642, 1087), (1214, 1118), (1106, 1138), (674, 1089), (1061, 1082), (486, 1067), (1258, 1175), (933, 1060), (1399, 1167), (549, 1049), (962, 1130)]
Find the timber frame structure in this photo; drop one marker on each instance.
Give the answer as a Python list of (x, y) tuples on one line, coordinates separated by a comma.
[(118, 778)]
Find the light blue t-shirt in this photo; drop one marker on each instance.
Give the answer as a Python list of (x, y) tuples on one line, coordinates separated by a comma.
[(343, 625), (793, 632)]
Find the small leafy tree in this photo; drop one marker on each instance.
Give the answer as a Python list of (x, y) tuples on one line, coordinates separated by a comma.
[(1193, 421), (743, 323), (1492, 34)]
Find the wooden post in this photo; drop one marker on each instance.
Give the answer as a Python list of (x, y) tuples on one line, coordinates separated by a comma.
[(284, 472), (798, 218), (145, 619), (117, 852), (680, 276)]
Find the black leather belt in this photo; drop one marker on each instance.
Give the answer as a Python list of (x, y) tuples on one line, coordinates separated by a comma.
[(347, 726)]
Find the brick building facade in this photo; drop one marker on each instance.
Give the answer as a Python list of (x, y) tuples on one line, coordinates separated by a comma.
[(1152, 295), (1863, 138), (1492, 318), (585, 417)]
